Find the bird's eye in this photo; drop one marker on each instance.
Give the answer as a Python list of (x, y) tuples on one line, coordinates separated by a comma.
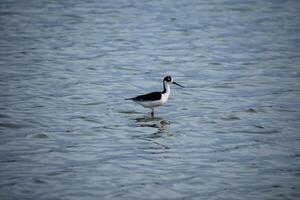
[(168, 79)]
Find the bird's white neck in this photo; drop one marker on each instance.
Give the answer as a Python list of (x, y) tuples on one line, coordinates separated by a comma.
[(167, 89), (166, 92)]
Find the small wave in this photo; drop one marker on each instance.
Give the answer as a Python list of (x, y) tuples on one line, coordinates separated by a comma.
[(230, 118), (39, 135), (93, 103), (251, 110), (15, 125)]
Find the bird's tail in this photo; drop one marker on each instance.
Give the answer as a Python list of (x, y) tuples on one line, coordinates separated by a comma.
[(128, 99)]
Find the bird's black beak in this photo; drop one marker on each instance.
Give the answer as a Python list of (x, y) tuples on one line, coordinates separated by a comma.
[(177, 84)]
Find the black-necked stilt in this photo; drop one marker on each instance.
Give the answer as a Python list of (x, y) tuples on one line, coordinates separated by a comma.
[(156, 99)]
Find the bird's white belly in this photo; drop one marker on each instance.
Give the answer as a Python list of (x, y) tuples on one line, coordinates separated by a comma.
[(150, 104)]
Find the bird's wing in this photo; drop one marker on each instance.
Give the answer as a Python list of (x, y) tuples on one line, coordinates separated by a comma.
[(148, 97)]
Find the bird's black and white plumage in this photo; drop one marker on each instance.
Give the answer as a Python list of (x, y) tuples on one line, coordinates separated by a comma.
[(156, 99)]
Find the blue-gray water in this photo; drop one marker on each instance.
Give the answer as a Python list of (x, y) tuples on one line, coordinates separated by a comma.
[(67, 133)]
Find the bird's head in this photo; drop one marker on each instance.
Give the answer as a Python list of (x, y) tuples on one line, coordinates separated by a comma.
[(169, 80)]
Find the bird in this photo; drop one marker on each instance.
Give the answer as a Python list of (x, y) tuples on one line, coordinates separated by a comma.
[(156, 99)]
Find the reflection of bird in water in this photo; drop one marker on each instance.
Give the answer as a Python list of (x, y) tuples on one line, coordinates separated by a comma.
[(153, 122), (156, 99)]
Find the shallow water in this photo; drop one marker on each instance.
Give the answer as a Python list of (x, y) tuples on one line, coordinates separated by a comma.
[(67, 132)]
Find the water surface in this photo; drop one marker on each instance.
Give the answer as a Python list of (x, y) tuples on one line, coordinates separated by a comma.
[(67, 132)]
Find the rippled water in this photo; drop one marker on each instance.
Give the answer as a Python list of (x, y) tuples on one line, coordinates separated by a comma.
[(68, 133)]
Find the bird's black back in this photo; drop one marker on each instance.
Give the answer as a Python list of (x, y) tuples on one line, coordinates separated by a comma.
[(148, 97)]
